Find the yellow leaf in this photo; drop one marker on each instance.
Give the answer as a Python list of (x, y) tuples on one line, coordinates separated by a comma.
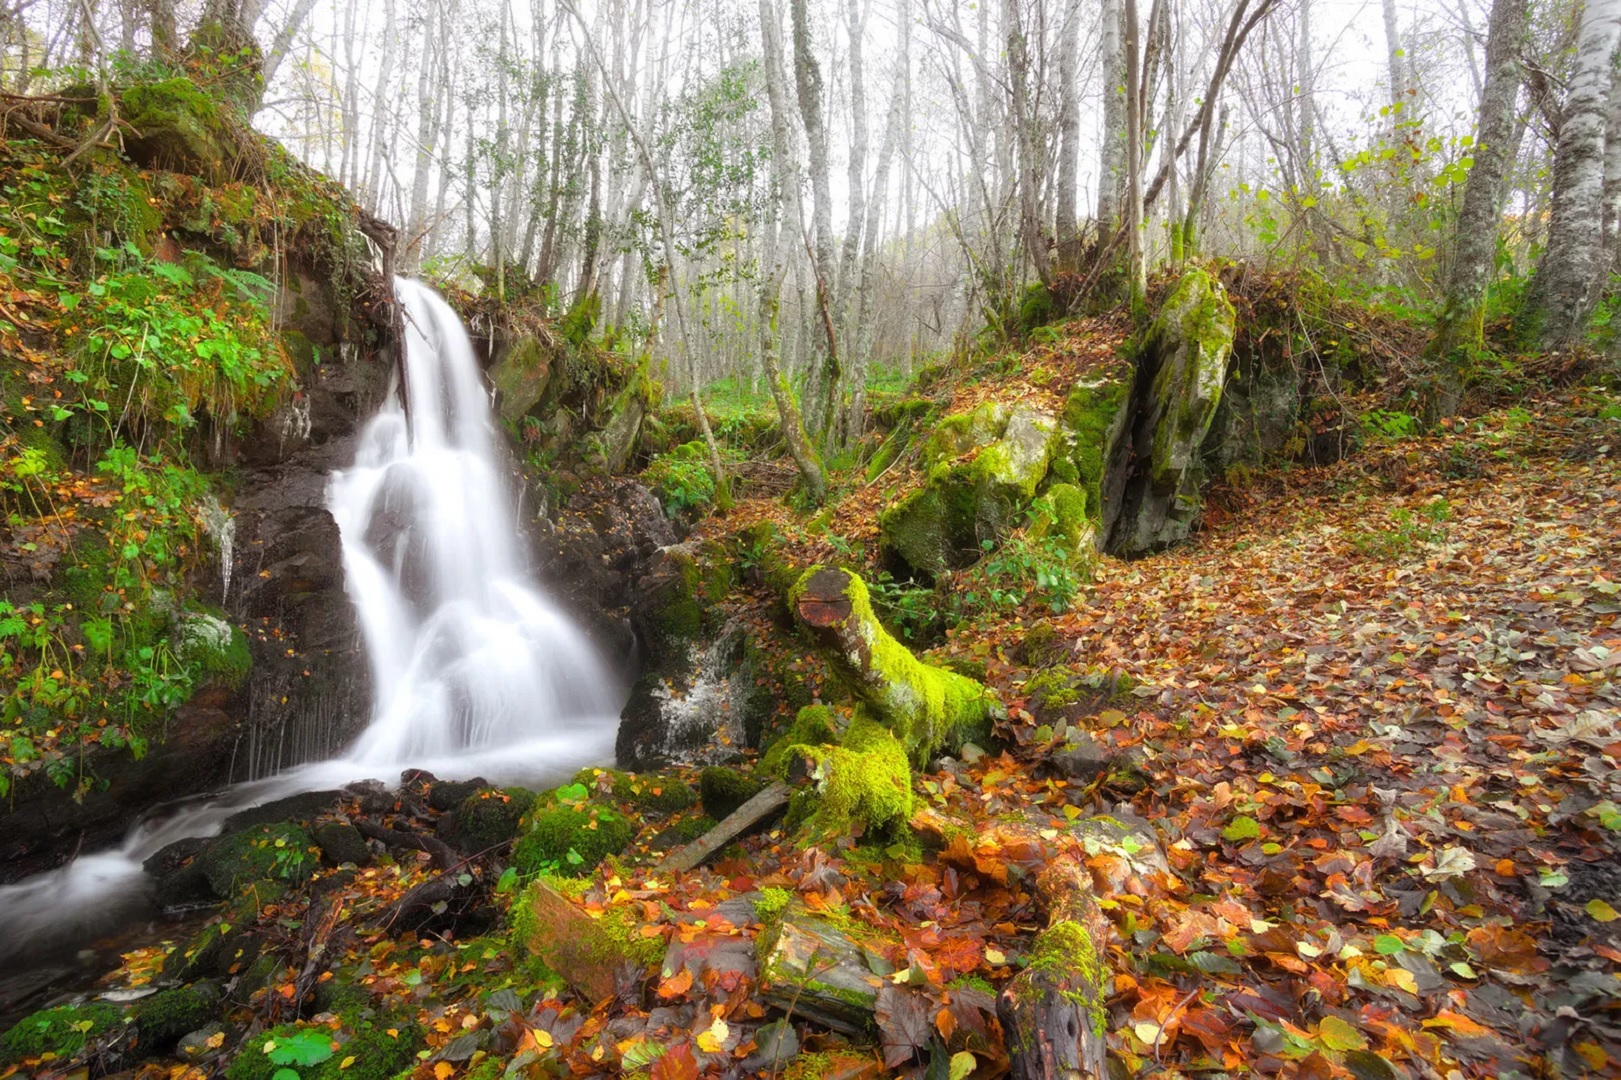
[(444, 1070), (1401, 979), (215, 1041), (346, 1062), (713, 1041), (1336, 1034), (995, 957), (1601, 911), (900, 977), (1147, 1032)]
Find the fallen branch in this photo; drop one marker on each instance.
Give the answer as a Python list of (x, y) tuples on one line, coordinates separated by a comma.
[(766, 802), (444, 857)]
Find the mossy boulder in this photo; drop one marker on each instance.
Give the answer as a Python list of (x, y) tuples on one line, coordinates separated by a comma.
[(177, 126), (585, 949), (657, 793), (62, 1031), (1090, 428), (675, 603), (282, 853), (1184, 358), (984, 467), (928, 708), (520, 376), (571, 838), (722, 790), (489, 818), (169, 1014)]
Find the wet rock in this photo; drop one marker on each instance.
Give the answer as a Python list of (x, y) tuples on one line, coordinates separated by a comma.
[(181, 883), (1082, 758), (165, 1017), (373, 796), (342, 843), (206, 1042), (520, 374), (449, 794), (302, 807)]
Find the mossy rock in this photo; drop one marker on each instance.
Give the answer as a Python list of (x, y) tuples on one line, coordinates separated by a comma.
[(490, 818), (812, 726), (589, 830), (585, 950), (62, 1031), (658, 793), (680, 598), (280, 853), (984, 467), (217, 651), (169, 1014), (1090, 426), (520, 376), (179, 127), (722, 790)]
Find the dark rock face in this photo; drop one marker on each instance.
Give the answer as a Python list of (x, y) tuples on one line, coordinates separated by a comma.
[(596, 553)]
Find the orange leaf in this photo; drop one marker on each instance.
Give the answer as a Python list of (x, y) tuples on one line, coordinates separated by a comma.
[(676, 985)]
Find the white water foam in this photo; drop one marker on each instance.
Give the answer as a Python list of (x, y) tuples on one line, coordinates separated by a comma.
[(475, 671)]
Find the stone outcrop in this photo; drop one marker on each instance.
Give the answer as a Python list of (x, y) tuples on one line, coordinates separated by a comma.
[(1156, 468)]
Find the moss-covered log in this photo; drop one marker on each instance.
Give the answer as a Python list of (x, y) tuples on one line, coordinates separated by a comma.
[(1053, 1016), (927, 707)]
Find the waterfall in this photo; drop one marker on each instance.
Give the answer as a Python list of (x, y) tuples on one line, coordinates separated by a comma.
[(474, 670)]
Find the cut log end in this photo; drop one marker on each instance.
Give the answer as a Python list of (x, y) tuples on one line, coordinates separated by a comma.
[(824, 601)]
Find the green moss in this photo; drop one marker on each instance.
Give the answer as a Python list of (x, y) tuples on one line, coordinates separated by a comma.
[(491, 817), (1066, 949), (722, 790), (1091, 422), (864, 782), (927, 707), (167, 1015), (613, 938), (772, 903), (660, 793), (216, 650), (62, 1031), (180, 125), (812, 726), (1051, 689), (281, 852), (591, 832)]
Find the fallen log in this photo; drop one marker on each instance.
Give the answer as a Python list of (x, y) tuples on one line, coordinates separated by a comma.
[(769, 800), (929, 708), (444, 857), (1052, 1014)]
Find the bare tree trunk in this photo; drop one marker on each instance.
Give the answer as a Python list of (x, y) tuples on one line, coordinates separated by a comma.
[(1566, 280), (1136, 267), (282, 43), (1066, 229), (822, 390), (856, 172), (1029, 162), (1399, 82), (1112, 162), (1458, 331), (771, 264)]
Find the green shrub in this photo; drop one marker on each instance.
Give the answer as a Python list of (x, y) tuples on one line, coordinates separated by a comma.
[(682, 479)]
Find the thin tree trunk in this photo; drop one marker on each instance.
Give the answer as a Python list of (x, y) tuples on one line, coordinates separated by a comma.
[(1565, 284), (1112, 162), (1029, 163), (1458, 331), (1066, 228), (823, 387), (1136, 268)]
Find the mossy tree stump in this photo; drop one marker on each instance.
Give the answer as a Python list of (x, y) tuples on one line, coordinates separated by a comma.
[(927, 707)]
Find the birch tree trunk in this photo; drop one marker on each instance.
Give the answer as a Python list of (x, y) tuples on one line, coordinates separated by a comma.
[(771, 262), (823, 386), (1566, 280), (1458, 331), (1112, 160), (1136, 266), (1066, 229)]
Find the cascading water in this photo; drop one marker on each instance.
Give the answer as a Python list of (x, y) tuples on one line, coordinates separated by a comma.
[(474, 671)]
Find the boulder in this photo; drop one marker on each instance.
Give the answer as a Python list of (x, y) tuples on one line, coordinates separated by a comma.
[(1181, 371), (984, 467), (520, 375)]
